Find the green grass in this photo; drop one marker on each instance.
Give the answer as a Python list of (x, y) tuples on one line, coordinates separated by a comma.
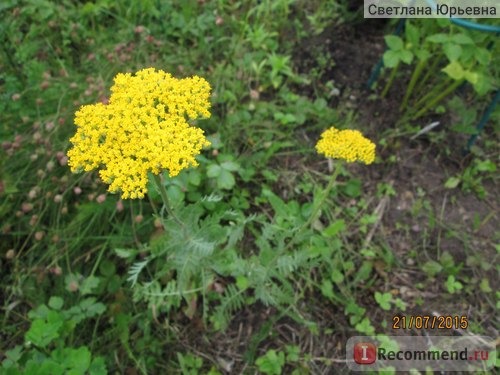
[(265, 272)]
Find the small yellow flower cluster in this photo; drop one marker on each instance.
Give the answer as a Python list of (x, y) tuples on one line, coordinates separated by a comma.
[(144, 128), (349, 145)]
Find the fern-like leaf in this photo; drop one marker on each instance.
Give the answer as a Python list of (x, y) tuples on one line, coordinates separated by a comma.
[(135, 270)]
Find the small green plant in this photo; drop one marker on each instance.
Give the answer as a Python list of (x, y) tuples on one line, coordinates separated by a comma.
[(384, 300), (444, 61), (189, 363), (271, 363), (471, 179), (453, 285), (47, 349)]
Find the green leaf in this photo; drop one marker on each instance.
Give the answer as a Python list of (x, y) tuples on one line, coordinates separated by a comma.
[(412, 34), (461, 39), (327, 288), (43, 331), (92, 308), (225, 180), (391, 59), (384, 300), (214, 170), (483, 84), (423, 54), (471, 77), (452, 182), (453, 285), (452, 51), (365, 327), (395, 43), (406, 56), (486, 166), (483, 56), (438, 38), (242, 282), (78, 360), (56, 303), (271, 363), (364, 271), (337, 276), (126, 253), (447, 260), (454, 70), (107, 268), (485, 286), (98, 367), (334, 228), (432, 268), (194, 177), (230, 166), (89, 284)]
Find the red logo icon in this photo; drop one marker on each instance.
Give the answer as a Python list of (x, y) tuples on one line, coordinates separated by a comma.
[(365, 353)]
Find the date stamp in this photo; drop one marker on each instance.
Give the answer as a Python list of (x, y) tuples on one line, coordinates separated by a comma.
[(430, 322)]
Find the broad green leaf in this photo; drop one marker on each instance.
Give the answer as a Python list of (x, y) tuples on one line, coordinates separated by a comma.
[(89, 284), (384, 300), (214, 170), (483, 84), (194, 177), (92, 308), (486, 166), (452, 51), (175, 193), (454, 70), (412, 34), (452, 182), (98, 367), (395, 43), (230, 166), (225, 180), (406, 56), (485, 285), (461, 39), (423, 54), (471, 77), (337, 276), (482, 55), (78, 360), (242, 282), (43, 332), (56, 302), (107, 268)]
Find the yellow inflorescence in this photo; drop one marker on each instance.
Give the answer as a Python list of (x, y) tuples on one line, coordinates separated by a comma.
[(143, 129), (349, 145)]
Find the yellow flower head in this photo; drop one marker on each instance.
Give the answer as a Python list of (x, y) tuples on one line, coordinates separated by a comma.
[(144, 128), (349, 145)]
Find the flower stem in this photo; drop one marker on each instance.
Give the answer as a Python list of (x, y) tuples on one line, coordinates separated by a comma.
[(326, 192), (317, 207), (164, 198)]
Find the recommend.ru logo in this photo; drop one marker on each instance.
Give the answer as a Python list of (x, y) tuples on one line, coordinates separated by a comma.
[(405, 353)]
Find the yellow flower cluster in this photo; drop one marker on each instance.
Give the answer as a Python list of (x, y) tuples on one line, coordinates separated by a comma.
[(349, 145), (144, 128)]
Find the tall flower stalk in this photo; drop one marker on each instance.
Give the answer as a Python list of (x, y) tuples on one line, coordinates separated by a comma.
[(348, 145), (345, 145)]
